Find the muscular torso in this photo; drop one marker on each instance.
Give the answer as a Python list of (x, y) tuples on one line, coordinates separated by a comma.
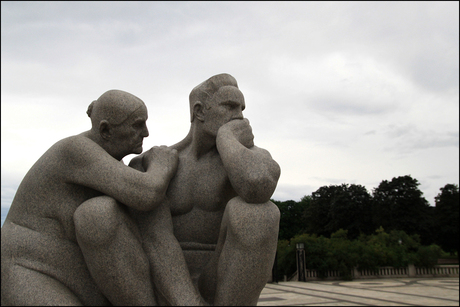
[(197, 197)]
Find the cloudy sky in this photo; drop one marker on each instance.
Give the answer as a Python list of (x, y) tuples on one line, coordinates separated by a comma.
[(338, 92)]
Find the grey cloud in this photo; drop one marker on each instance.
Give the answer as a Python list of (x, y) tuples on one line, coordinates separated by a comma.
[(347, 106), (432, 139), (408, 137), (436, 70)]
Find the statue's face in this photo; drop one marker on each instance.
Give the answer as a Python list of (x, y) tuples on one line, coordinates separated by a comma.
[(129, 135), (227, 104)]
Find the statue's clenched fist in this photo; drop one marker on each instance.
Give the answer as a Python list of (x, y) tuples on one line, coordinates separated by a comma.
[(239, 129)]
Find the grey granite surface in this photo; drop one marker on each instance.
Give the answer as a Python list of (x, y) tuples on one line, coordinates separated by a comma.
[(190, 224)]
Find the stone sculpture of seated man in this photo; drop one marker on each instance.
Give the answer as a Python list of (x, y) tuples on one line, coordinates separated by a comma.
[(42, 263), (215, 236)]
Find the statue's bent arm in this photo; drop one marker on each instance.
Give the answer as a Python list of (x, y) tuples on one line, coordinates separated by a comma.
[(252, 171), (92, 166)]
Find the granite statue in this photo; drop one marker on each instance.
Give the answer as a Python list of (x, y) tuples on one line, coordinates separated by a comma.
[(41, 261), (190, 224), (214, 238)]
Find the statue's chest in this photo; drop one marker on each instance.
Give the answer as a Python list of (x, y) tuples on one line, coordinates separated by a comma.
[(199, 184)]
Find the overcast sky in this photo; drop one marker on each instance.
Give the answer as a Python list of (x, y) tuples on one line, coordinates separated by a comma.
[(338, 92)]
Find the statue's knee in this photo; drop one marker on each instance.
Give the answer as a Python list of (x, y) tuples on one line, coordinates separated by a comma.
[(97, 220), (253, 224)]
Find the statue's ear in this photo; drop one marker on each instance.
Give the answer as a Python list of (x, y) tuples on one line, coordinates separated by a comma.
[(105, 129), (198, 111)]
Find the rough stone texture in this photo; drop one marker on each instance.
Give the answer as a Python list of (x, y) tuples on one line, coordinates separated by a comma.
[(41, 262), (217, 223), (191, 224)]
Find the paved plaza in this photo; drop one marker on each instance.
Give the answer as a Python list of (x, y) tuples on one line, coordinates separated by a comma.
[(363, 292)]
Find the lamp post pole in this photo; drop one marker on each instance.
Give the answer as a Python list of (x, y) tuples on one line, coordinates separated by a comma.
[(300, 255)]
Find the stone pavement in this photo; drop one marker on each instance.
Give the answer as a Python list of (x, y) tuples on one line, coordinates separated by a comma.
[(363, 292)]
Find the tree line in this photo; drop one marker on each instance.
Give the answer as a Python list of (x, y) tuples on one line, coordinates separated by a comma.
[(395, 208)]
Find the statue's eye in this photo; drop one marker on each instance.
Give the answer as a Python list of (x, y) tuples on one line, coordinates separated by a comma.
[(137, 125), (230, 105)]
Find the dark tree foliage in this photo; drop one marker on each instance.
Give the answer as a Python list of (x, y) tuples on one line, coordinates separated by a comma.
[(368, 252), (337, 207), (395, 226), (317, 214), (291, 222), (351, 210), (399, 205), (446, 218)]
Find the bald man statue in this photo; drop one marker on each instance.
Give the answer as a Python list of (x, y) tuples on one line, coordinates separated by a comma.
[(214, 238), (41, 261)]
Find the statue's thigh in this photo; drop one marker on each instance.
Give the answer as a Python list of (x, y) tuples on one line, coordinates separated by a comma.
[(23, 286)]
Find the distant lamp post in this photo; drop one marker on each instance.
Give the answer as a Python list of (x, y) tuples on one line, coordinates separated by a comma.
[(300, 259)]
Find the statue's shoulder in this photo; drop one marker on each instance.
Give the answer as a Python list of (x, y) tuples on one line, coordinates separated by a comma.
[(78, 146), (73, 142)]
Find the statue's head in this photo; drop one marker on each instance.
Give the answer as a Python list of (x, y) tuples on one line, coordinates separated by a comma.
[(215, 102), (120, 119), (205, 91), (115, 106)]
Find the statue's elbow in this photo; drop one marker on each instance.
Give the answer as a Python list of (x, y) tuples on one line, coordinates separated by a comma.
[(258, 191), (258, 186)]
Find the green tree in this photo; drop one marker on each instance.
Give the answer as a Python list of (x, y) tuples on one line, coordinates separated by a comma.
[(286, 261), (427, 256), (317, 214), (368, 252), (344, 253), (317, 252), (351, 210), (399, 205), (446, 218), (291, 219), (337, 207)]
